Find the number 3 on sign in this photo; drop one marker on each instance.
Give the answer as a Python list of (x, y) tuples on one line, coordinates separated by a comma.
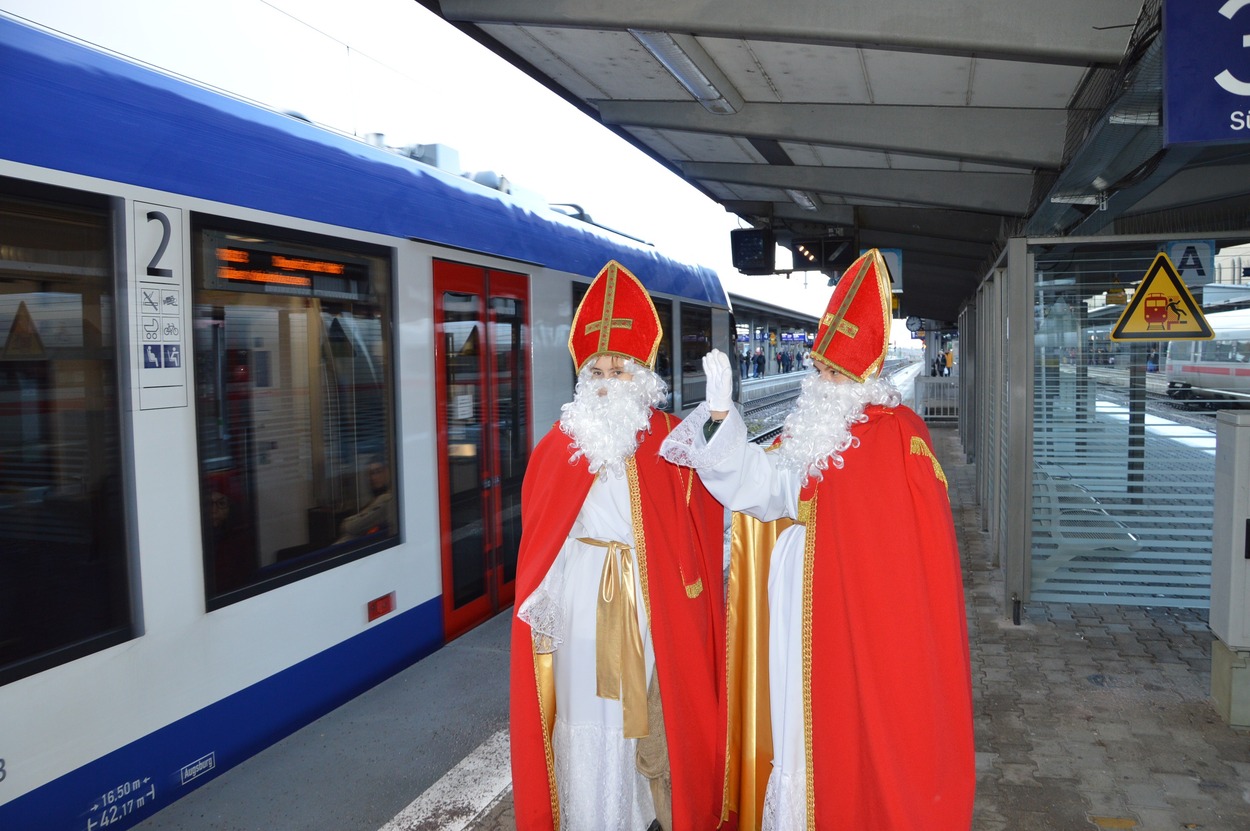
[(3, 773), (1227, 80)]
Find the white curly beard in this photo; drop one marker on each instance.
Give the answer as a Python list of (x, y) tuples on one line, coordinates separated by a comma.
[(818, 429), (606, 428)]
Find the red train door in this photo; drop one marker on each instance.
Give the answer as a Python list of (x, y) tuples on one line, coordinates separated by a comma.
[(482, 389)]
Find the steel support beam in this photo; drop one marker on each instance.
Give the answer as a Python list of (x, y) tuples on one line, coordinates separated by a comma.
[(1004, 193), (1013, 136)]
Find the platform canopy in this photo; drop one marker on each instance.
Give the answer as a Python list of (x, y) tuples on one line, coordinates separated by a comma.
[(937, 128)]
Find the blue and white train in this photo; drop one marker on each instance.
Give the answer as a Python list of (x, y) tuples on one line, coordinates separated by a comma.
[(267, 394)]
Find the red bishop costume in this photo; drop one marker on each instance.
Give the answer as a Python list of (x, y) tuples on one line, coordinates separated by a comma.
[(619, 589), (859, 670)]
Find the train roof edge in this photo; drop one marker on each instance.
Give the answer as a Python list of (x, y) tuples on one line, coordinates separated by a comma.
[(151, 129)]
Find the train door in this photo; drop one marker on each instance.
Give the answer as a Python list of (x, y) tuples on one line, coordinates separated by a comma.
[(481, 337)]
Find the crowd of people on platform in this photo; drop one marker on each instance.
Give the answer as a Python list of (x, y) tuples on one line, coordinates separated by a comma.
[(711, 634), (755, 364)]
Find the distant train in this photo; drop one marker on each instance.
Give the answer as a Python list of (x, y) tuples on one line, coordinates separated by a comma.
[(267, 394), (1214, 372)]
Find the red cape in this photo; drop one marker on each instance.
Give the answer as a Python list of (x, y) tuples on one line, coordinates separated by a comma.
[(688, 634), (891, 741)]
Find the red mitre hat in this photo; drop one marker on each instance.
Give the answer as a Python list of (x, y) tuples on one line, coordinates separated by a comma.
[(854, 333), (616, 317)]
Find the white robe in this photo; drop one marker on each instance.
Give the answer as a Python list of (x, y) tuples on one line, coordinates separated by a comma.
[(597, 777), (745, 478)]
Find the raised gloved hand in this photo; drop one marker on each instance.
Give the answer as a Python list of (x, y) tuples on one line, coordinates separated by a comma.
[(720, 383)]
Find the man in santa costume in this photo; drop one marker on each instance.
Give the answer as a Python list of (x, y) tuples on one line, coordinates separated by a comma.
[(619, 599), (868, 693)]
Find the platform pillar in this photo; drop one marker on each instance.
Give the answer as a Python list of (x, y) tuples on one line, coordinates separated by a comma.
[(1230, 683), (1230, 569)]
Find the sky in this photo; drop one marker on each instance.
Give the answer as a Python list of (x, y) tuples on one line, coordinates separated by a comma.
[(392, 67)]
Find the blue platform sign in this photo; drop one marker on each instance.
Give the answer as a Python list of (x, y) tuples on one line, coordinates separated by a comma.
[(1206, 77)]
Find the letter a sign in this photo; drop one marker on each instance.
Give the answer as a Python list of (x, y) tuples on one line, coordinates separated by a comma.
[(1162, 308)]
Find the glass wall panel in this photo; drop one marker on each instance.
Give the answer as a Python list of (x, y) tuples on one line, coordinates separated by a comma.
[(63, 565), (1123, 470)]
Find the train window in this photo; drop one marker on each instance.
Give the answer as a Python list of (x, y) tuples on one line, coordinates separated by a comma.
[(664, 356), (696, 341), (294, 406), (1216, 351), (63, 574)]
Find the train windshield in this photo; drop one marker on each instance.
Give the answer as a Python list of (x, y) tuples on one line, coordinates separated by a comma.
[(293, 404)]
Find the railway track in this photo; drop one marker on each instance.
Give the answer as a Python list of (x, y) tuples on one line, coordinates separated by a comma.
[(766, 412)]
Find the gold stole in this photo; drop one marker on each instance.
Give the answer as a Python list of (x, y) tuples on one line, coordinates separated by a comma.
[(750, 752)]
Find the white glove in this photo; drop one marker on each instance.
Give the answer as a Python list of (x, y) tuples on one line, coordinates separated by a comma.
[(720, 384)]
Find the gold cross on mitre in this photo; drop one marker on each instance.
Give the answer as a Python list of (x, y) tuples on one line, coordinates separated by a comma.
[(607, 323), (836, 322), (845, 327)]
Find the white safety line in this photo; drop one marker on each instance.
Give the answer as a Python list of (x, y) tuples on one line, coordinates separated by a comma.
[(464, 792), (1203, 440)]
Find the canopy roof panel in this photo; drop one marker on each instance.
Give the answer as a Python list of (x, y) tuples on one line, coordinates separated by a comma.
[(939, 128)]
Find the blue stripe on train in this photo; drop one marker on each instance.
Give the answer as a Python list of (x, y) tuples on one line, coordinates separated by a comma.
[(171, 762), (152, 130)]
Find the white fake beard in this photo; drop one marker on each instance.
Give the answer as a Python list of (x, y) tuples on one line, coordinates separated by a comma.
[(606, 428), (818, 430)]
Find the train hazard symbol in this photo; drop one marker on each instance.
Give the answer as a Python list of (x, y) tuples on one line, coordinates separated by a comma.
[(1162, 308), (23, 342)]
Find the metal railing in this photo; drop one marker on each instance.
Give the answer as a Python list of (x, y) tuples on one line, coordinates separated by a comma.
[(937, 399)]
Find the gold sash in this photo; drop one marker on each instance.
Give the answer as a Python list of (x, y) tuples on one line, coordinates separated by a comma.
[(620, 667)]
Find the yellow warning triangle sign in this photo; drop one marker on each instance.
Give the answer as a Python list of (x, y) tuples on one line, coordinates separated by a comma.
[(23, 342), (1162, 308)]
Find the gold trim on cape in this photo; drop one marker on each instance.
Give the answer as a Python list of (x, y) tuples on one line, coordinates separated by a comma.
[(545, 684), (805, 511), (920, 448), (809, 560), (640, 541)]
